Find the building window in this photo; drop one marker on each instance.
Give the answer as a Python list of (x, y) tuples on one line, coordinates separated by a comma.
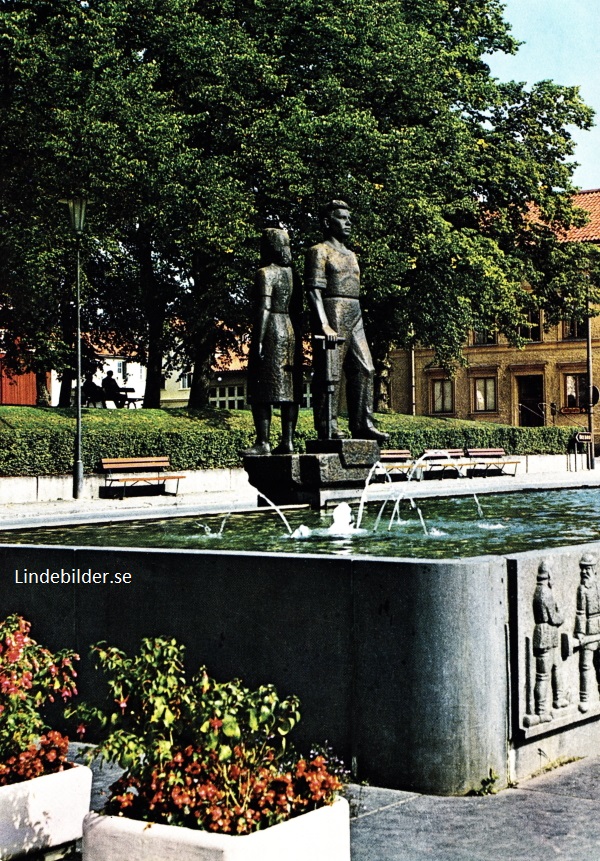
[(483, 337), (574, 330), (442, 396), (532, 330), (228, 397), (484, 394), (576, 390), (122, 370), (185, 380)]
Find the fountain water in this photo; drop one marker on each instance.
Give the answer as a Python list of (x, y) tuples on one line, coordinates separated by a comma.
[(395, 510), (278, 510), (377, 467), (342, 520)]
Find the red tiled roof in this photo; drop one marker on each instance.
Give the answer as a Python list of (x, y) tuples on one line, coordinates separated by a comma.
[(590, 232)]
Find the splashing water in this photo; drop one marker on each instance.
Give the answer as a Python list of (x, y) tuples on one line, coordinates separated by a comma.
[(278, 510), (223, 522), (422, 521), (381, 510), (342, 520), (479, 508), (361, 506), (396, 510)]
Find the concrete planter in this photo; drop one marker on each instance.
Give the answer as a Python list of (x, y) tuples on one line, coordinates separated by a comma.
[(44, 812), (321, 835)]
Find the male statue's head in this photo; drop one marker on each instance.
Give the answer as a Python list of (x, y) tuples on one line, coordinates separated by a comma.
[(275, 247), (336, 221), (587, 567), (543, 575)]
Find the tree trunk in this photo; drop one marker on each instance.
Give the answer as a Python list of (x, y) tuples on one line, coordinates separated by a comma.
[(204, 336), (156, 316), (154, 367), (201, 378), (42, 395), (66, 388), (382, 385)]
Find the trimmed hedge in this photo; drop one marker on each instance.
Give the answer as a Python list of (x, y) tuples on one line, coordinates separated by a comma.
[(38, 441)]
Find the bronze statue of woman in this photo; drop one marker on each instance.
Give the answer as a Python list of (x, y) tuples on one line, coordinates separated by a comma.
[(272, 364)]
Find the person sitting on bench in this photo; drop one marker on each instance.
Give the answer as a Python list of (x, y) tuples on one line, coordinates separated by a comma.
[(112, 390), (92, 393)]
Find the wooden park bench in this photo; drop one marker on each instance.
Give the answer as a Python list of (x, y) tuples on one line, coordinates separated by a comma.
[(396, 460), (490, 460), (153, 467)]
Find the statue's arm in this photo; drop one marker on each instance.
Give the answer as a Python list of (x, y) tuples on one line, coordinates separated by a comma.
[(316, 282), (263, 309), (581, 614), (556, 618)]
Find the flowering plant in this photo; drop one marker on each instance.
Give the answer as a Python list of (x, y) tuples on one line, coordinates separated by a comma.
[(201, 753), (30, 677)]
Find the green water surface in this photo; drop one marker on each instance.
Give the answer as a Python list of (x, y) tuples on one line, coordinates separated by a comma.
[(450, 527)]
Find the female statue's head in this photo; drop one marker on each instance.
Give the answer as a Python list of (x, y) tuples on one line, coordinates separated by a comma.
[(275, 247)]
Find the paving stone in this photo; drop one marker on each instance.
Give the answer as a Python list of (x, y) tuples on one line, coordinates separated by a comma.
[(577, 779)]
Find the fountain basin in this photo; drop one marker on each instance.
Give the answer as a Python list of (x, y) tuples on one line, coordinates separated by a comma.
[(421, 672), (416, 671)]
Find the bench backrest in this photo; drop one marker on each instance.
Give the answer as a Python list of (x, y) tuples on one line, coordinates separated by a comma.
[(392, 454), (111, 464), (441, 453), (486, 452)]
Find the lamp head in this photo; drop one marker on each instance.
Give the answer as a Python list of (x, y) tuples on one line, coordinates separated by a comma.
[(77, 208)]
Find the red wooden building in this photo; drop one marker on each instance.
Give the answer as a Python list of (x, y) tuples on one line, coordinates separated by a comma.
[(18, 390)]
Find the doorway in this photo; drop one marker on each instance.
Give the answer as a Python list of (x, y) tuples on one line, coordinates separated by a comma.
[(530, 391)]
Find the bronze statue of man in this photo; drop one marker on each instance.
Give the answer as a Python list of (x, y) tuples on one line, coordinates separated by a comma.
[(332, 279)]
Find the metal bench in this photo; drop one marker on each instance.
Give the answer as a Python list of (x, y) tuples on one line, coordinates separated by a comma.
[(486, 460), (154, 467)]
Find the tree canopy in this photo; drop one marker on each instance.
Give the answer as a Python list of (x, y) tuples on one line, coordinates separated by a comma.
[(191, 125)]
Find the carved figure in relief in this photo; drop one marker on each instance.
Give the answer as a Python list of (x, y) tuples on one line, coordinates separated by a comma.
[(548, 619), (273, 362), (587, 630), (333, 283)]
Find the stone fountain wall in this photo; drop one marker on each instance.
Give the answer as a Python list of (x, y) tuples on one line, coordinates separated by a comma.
[(414, 670)]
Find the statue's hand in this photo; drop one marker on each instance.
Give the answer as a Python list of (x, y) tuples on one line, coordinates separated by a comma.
[(330, 334)]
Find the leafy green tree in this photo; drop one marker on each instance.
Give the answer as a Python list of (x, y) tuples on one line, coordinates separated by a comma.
[(194, 124)]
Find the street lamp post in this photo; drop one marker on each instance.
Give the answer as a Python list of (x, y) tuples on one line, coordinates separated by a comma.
[(590, 365), (77, 207)]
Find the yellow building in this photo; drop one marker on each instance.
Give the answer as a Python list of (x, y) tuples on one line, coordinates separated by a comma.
[(545, 382)]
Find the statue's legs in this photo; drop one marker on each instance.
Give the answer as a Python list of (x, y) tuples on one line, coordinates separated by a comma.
[(343, 314), (319, 397), (588, 674), (358, 366), (289, 418), (559, 700), (543, 669), (261, 413)]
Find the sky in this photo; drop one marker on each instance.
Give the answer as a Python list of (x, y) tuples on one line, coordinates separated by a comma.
[(561, 43)]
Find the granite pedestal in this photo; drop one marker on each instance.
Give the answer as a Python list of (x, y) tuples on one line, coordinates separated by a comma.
[(330, 471)]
